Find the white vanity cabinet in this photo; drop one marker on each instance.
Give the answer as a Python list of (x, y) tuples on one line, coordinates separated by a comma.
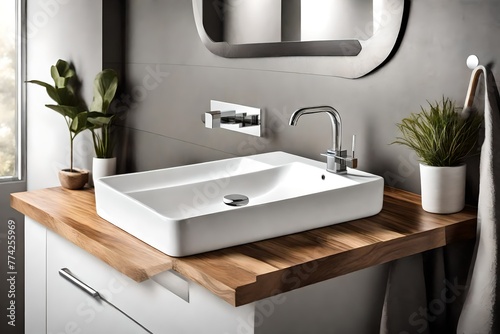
[(70, 310), (191, 309), (54, 303)]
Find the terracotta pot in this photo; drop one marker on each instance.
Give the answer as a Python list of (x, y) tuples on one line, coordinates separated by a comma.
[(73, 180), (443, 188)]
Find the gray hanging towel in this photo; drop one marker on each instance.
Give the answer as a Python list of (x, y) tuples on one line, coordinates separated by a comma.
[(405, 294), (481, 312)]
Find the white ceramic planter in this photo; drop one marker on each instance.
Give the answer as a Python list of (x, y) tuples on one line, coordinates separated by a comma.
[(103, 167), (443, 188)]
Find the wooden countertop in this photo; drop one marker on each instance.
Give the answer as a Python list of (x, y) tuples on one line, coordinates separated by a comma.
[(254, 271)]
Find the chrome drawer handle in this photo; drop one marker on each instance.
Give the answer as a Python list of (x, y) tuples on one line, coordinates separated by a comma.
[(68, 275)]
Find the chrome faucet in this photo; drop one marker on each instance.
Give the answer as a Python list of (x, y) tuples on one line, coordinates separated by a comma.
[(336, 159)]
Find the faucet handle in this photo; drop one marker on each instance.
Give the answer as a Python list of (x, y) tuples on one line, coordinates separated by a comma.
[(352, 161), (353, 146)]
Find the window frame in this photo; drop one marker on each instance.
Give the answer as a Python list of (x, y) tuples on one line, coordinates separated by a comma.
[(21, 122)]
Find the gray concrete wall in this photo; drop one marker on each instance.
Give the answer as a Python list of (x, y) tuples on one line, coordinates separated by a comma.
[(164, 128)]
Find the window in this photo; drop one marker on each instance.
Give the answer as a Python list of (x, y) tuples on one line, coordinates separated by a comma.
[(10, 111)]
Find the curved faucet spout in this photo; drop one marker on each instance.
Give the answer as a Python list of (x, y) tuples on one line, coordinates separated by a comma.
[(334, 117)]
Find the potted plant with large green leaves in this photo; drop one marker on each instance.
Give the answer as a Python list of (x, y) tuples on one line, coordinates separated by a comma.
[(442, 136), (105, 86), (69, 104)]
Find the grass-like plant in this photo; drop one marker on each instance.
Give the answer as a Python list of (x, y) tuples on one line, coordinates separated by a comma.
[(441, 135)]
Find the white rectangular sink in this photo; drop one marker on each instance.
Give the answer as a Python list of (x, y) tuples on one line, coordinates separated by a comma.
[(182, 211)]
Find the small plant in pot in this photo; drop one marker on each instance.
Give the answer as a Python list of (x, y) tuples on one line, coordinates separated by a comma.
[(442, 136), (69, 104), (105, 85)]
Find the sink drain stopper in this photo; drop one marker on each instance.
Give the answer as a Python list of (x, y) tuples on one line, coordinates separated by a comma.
[(235, 200)]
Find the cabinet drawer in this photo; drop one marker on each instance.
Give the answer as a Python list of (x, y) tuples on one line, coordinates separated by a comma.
[(69, 309), (149, 303)]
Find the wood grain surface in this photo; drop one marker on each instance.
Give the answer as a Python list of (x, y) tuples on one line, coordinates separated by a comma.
[(250, 272)]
